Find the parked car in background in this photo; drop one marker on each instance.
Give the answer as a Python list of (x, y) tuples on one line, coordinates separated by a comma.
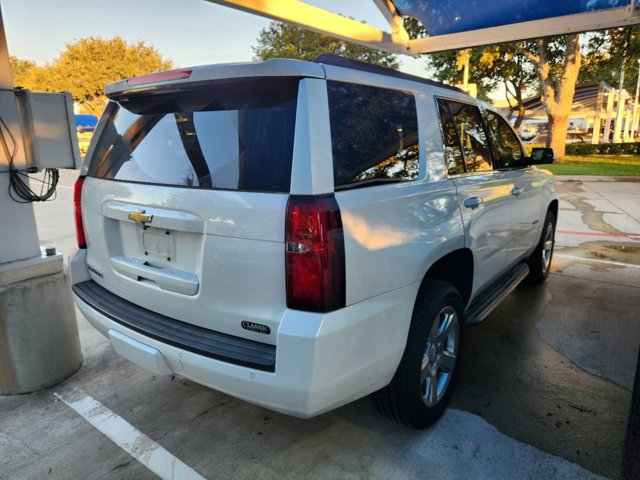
[(527, 133), (85, 125)]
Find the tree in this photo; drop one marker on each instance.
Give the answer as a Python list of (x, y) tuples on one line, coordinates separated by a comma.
[(448, 66), (492, 65), (550, 64), (280, 40), (22, 71), (84, 67), (509, 66), (606, 52), (557, 61)]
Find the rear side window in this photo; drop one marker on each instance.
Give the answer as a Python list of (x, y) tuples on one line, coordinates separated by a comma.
[(477, 153), (232, 135), (374, 134), (463, 122), (452, 152), (505, 142)]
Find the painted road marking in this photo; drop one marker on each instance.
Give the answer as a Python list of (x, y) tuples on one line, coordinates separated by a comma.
[(599, 234), (156, 458), (608, 262)]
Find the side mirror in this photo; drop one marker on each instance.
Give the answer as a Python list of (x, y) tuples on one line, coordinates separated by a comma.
[(541, 156)]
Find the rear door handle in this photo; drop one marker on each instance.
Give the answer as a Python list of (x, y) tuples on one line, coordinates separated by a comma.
[(170, 279), (516, 191), (472, 202)]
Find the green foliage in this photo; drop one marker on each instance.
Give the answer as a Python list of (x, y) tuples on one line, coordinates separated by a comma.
[(446, 68), (490, 67), (414, 28), (606, 51), (85, 66), (603, 149), (281, 40), (593, 168), (599, 160)]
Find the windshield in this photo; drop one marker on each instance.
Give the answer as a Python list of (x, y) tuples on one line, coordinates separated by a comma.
[(233, 135)]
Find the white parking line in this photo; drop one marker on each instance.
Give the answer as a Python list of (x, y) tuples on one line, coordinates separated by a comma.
[(126, 436), (593, 260)]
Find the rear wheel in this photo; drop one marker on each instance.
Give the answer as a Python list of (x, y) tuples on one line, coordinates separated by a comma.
[(422, 386), (540, 260)]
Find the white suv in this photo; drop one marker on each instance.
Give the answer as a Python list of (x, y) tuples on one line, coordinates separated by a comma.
[(301, 234)]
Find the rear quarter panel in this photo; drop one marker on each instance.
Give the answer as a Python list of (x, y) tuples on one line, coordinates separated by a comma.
[(394, 233)]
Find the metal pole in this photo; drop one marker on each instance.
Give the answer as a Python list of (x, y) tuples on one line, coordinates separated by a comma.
[(597, 120), (465, 75), (635, 107), (627, 125), (19, 234), (39, 343), (607, 123), (621, 101)]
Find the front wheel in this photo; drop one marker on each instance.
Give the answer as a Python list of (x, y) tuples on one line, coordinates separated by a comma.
[(540, 260), (423, 383)]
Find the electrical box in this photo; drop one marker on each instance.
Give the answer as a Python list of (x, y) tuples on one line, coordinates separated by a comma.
[(11, 143), (49, 127)]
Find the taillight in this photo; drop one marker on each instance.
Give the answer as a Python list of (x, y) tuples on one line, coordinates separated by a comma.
[(77, 209), (314, 254)]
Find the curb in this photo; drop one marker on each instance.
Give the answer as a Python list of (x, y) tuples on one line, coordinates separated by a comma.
[(595, 178)]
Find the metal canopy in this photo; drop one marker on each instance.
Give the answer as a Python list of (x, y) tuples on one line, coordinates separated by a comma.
[(452, 24), (587, 99)]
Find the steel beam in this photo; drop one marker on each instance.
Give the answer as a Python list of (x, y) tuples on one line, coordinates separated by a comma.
[(322, 21), (615, 17)]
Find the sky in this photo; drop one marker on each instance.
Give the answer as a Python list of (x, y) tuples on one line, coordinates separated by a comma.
[(189, 32)]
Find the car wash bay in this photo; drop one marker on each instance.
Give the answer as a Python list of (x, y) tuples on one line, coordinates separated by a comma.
[(544, 387)]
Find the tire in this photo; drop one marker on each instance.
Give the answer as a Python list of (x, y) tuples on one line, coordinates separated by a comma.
[(424, 381), (540, 260)]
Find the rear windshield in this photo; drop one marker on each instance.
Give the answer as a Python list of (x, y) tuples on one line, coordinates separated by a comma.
[(232, 135)]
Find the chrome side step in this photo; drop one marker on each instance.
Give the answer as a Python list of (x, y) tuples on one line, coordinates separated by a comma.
[(491, 296)]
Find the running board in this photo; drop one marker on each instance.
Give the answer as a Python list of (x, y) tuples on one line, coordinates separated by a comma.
[(489, 298)]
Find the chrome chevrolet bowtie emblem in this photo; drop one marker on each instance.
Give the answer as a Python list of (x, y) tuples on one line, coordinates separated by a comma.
[(139, 217)]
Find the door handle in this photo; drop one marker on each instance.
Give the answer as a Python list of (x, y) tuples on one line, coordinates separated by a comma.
[(472, 202), (516, 191)]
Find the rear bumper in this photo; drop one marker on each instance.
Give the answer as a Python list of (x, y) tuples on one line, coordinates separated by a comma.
[(183, 335), (322, 360)]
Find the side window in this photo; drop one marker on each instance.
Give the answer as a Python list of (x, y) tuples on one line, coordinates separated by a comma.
[(476, 150), (374, 134), (452, 152), (506, 145)]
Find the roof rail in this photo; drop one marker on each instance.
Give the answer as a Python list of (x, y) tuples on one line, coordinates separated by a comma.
[(338, 61)]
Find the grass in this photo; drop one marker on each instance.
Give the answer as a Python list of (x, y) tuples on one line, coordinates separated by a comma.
[(608, 165)]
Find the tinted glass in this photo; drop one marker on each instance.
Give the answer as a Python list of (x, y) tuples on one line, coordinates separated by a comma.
[(473, 140), (374, 134), (451, 141), (505, 142), (230, 135)]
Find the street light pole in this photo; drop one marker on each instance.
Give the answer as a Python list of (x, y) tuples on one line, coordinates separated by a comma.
[(634, 123), (465, 75), (617, 129)]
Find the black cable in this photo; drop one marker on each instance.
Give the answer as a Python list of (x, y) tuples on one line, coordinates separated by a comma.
[(19, 189), (21, 192)]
